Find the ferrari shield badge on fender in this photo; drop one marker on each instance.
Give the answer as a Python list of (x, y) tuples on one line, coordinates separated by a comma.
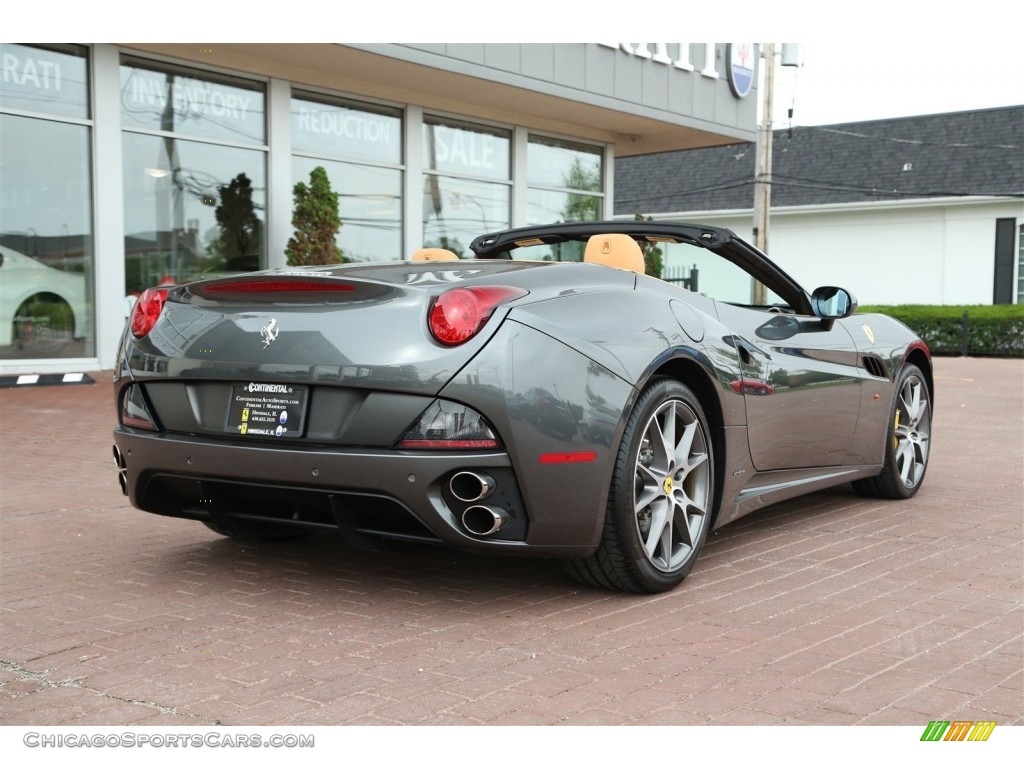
[(269, 332), (868, 332)]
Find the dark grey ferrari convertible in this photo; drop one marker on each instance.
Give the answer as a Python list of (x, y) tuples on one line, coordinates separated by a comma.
[(543, 398)]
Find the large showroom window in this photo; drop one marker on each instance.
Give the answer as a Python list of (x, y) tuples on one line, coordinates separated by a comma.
[(360, 147), (195, 186), (467, 183), (46, 232), (565, 183)]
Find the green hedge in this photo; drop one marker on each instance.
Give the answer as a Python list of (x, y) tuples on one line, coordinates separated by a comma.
[(981, 330)]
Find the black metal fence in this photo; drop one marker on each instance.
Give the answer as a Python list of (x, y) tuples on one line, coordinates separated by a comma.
[(687, 278)]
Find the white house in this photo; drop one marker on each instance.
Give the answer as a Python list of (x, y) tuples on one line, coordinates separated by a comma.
[(919, 210)]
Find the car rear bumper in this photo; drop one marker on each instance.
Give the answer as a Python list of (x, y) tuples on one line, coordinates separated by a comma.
[(357, 493)]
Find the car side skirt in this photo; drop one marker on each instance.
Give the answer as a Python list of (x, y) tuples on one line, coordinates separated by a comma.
[(746, 490)]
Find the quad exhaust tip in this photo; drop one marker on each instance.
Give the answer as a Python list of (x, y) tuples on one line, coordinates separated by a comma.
[(482, 520), (471, 487)]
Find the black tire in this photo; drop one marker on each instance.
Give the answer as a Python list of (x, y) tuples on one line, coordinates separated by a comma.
[(907, 444), (255, 531), (643, 547)]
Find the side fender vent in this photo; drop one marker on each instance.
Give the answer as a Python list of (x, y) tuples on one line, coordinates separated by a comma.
[(874, 366)]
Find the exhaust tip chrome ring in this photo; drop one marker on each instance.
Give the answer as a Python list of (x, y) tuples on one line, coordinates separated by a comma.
[(471, 487), (484, 521)]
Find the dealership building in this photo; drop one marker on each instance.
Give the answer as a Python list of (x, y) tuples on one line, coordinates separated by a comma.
[(129, 166)]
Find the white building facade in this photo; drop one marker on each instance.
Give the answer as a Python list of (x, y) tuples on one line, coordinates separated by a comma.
[(912, 252)]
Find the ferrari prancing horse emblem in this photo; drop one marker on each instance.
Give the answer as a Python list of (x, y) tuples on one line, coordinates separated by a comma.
[(269, 332)]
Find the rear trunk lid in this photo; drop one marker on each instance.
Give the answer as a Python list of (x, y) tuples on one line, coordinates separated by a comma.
[(353, 325)]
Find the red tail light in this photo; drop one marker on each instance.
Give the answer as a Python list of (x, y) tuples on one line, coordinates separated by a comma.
[(134, 411), (146, 310), (449, 426), (278, 286), (458, 314)]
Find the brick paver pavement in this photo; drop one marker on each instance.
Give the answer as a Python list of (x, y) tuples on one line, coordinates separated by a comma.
[(832, 609)]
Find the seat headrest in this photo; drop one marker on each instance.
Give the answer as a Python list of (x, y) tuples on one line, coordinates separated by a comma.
[(615, 250), (434, 254)]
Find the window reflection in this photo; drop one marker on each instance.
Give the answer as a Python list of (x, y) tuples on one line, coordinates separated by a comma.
[(556, 163), (51, 79), (561, 177), (369, 204), (368, 181), (172, 99), (549, 207), (191, 210), (359, 132), (467, 150), (46, 249), (456, 211), (459, 203)]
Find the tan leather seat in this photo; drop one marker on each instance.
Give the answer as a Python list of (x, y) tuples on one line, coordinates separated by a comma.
[(615, 250), (434, 254)]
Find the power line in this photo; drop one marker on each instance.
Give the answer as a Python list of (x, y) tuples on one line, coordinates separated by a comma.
[(913, 142), (780, 180), (732, 184)]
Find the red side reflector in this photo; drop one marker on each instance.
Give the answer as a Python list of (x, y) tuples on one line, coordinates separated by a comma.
[(567, 458), (277, 286)]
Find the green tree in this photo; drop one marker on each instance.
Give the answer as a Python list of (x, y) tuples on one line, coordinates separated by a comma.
[(582, 207), (316, 223), (653, 263), (240, 233)]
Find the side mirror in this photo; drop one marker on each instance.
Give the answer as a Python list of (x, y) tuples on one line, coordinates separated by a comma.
[(831, 303)]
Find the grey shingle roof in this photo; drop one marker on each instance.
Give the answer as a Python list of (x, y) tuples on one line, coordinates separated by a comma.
[(946, 155)]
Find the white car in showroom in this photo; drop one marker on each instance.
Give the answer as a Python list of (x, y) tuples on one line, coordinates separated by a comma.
[(21, 279)]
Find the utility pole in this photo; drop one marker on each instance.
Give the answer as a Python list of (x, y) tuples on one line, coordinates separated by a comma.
[(763, 176)]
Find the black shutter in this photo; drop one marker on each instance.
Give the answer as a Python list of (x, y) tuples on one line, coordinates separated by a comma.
[(1006, 240)]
